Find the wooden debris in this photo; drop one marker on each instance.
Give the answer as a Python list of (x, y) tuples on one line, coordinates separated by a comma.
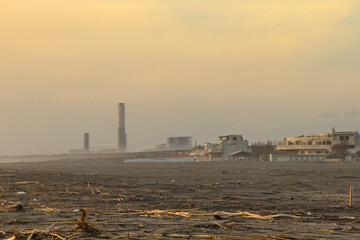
[(351, 196), (35, 234), (27, 182), (11, 208), (225, 215), (81, 224), (92, 191), (46, 209), (220, 225), (3, 192), (71, 192)]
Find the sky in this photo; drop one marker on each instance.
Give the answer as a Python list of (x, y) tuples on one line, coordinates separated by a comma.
[(266, 69)]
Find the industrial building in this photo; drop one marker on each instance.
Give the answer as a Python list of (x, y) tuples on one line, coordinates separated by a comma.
[(223, 150), (318, 147)]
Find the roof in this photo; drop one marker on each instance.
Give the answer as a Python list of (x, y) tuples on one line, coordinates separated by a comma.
[(240, 153)]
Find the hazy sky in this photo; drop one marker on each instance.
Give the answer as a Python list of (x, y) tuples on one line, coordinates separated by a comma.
[(266, 69)]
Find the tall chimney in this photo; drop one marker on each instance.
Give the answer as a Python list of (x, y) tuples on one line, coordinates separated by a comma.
[(121, 128), (86, 142)]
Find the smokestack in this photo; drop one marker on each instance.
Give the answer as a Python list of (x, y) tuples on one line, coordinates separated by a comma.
[(121, 128), (86, 142)]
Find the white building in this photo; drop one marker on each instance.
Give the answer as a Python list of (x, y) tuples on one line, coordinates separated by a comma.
[(317, 147), (222, 150)]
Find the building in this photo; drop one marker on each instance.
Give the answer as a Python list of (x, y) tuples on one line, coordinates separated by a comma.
[(318, 147), (222, 150)]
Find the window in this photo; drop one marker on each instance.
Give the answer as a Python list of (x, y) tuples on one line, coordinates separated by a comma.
[(346, 138), (234, 138), (341, 138)]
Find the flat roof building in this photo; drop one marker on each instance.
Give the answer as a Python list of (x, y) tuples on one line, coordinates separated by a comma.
[(317, 147)]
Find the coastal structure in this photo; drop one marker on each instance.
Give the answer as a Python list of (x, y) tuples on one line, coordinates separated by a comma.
[(318, 147), (122, 140), (223, 150)]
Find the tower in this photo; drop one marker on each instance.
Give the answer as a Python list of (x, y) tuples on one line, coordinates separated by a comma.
[(86, 142), (121, 128)]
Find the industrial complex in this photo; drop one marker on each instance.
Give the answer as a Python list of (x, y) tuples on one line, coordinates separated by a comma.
[(333, 146)]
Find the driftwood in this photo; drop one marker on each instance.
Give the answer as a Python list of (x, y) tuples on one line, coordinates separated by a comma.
[(11, 208), (225, 215)]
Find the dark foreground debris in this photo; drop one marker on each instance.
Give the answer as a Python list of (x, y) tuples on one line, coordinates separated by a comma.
[(82, 224)]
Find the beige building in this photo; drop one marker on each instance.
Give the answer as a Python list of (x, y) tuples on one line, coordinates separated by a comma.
[(316, 147), (222, 150)]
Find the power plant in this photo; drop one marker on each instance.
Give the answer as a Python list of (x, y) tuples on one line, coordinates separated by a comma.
[(121, 128)]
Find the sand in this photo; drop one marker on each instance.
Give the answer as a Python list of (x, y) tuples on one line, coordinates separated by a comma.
[(179, 200)]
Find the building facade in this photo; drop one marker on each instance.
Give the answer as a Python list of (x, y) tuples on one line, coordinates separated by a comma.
[(318, 147), (222, 150)]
